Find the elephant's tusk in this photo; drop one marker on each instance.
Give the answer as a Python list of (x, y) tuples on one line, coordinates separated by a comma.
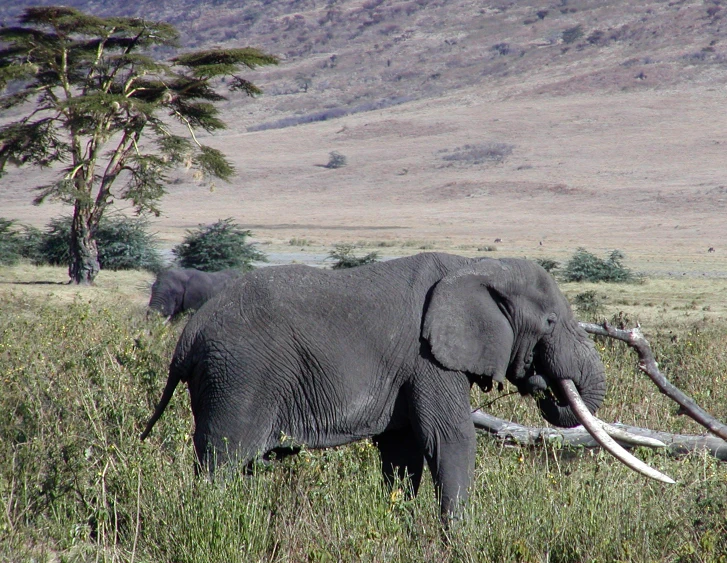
[(595, 429), (628, 438)]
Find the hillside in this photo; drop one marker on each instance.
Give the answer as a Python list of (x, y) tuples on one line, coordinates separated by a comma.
[(350, 53), (549, 126)]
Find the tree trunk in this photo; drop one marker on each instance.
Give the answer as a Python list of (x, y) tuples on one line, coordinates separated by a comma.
[(84, 266)]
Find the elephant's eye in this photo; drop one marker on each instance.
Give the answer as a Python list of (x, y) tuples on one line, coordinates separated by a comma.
[(550, 321)]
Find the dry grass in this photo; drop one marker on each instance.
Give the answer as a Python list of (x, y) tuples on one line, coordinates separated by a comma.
[(35, 281), (82, 368)]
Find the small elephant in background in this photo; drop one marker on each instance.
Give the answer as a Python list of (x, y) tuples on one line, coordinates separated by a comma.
[(181, 289)]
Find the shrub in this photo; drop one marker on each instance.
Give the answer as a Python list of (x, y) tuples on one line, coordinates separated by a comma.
[(31, 239), (481, 153), (127, 245), (345, 258), (588, 304), (10, 243), (216, 247), (336, 160), (572, 34), (123, 244), (548, 264), (584, 266)]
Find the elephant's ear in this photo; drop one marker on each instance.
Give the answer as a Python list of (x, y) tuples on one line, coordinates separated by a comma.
[(466, 328)]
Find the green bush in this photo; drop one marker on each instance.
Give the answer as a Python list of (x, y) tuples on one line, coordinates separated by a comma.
[(11, 243), (548, 264), (589, 304), (216, 247), (345, 258), (584, 266), (123, 244)]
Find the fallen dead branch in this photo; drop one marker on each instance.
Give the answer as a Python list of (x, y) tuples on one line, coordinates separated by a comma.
[(512, 433), (634, 338), (676, 444)]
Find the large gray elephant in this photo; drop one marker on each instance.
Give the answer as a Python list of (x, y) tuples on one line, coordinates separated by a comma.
[(182, 289), (296, 355)]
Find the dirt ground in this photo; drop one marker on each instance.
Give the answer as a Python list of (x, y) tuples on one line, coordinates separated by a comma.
[(644, 172)]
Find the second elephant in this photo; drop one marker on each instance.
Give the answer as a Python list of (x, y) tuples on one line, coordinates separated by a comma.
[(183, 289)]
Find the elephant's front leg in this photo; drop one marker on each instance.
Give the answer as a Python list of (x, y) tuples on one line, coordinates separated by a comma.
[(452, 467), (442, 420)]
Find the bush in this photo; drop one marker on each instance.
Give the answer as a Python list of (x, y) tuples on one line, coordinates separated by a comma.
[(481, 153), (548, 264), (589, 304), (573, 34), (11, 243), (345, 258), (584, 266), (216, 247), (336, 160), (123, 244)]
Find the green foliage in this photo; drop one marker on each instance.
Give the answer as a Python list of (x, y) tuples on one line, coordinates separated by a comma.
[(336, 160), (584, 266), (124, 244), (345, 258), (216, 247), (80, 377), (548, 264), (93, 94), (589, 304), (11, 243)]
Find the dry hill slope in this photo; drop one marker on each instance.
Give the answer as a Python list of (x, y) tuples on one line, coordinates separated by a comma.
[(567, 123)]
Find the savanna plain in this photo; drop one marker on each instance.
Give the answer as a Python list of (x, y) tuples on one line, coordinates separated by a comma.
[(616, 144)]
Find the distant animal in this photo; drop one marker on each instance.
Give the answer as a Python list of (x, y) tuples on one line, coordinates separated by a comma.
[(710, 249), (293, 355), (182, 289), (498, 240)]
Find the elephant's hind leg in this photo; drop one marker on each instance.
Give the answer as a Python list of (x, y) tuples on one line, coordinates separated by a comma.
[(231, 436), (401, 457)]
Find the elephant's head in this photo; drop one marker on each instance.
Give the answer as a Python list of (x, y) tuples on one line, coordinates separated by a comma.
[(167, 292), (507, 319)]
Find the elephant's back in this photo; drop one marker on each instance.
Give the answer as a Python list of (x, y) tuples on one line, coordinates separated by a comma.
[(301, 303)]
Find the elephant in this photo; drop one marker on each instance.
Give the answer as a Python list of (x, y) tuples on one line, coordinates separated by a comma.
[(295, 355), (181, 289)]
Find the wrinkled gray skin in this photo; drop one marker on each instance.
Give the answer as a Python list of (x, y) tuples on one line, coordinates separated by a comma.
[(177, 290), (296, 355)]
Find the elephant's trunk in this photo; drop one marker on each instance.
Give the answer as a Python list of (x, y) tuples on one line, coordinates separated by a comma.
[(587, 374), (160, 306)]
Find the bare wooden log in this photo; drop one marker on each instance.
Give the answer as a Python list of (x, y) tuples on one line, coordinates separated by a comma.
[(634, 338), (512, 433)]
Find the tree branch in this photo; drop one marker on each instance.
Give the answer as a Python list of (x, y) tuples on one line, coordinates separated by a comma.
[(512, 433), (635, 339)]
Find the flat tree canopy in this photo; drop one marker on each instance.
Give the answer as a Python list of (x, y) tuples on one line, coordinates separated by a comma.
[(100, 105)]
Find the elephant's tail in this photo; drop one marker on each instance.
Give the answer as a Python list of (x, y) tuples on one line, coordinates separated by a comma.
[(172, 383)]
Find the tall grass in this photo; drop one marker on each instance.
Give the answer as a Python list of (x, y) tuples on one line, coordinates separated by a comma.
[(81, 376)]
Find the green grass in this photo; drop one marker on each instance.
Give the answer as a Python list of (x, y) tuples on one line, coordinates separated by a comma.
[(82, 369)]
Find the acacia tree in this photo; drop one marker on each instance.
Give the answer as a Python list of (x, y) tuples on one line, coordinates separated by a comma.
[(116, 118)]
